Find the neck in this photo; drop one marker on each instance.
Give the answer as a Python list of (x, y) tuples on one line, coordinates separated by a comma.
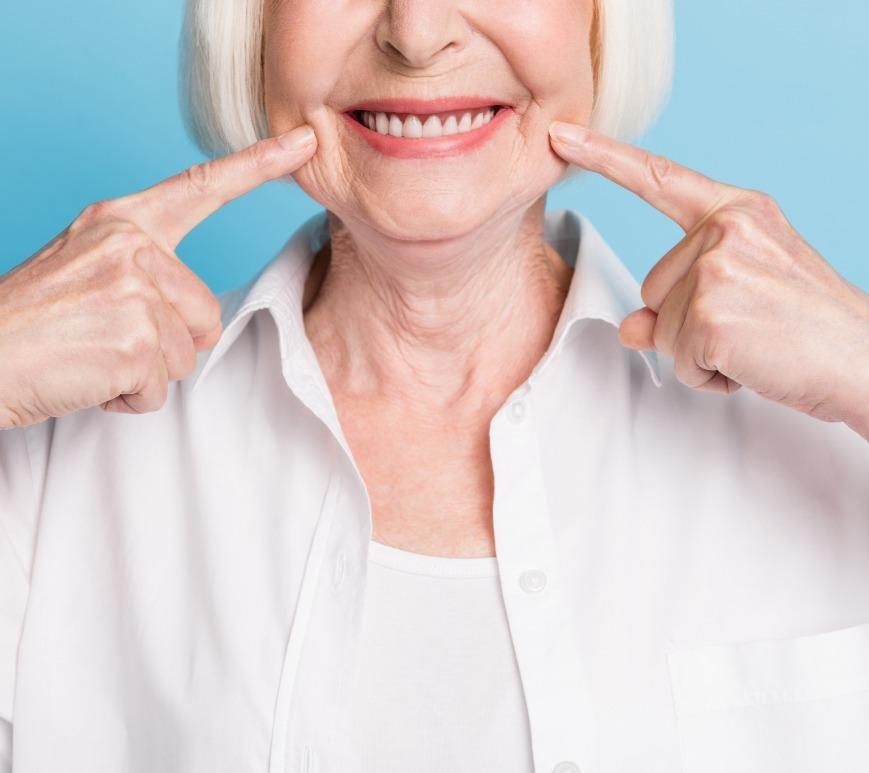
[(441, 325)]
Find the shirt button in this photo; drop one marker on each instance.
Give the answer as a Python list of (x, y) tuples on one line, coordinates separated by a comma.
[(532, 581), (339, 572), (517, 411), (566, 767)]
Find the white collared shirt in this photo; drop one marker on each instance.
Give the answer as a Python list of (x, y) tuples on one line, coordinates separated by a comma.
[(685, 574)]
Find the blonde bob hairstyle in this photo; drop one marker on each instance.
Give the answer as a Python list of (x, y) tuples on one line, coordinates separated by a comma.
[(222, 73)]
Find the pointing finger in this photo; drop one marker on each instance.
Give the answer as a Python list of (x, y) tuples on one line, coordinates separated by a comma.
[(684, 195), (182, 289), (170, 209)]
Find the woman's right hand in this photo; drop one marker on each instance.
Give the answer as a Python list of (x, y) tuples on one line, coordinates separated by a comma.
[(106, 314)]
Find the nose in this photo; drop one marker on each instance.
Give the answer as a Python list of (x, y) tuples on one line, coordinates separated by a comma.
[(419, 33)]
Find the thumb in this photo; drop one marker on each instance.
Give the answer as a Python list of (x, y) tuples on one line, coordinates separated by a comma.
[(637, 329)]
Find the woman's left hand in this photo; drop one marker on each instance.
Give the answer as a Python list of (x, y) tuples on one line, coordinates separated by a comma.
[(742, 300)]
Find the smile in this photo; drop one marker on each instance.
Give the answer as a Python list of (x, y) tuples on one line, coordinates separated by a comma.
[(416, 129), (413, 126)]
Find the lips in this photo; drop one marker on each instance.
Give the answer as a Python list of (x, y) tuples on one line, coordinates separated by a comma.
[(421, 118), (457, 138), (411, 125)]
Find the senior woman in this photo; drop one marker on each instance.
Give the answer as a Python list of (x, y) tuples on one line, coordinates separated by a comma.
[(450, 491)]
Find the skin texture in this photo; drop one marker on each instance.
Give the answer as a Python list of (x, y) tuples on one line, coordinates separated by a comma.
[(438, 294)]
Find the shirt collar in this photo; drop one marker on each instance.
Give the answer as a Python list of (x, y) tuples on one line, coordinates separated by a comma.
[(601, 288)]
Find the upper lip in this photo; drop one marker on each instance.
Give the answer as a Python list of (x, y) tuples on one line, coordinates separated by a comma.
[(425, 106)]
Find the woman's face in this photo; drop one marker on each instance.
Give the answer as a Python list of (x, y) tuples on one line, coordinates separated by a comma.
[(324, 57)]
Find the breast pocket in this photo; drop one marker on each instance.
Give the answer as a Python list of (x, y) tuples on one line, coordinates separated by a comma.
[(796, 705)]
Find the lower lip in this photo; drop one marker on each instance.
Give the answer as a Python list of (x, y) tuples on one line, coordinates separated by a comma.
[(429, 147)]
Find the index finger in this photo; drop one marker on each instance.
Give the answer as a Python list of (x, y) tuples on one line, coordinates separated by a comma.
[(170, 209), (684, 195)]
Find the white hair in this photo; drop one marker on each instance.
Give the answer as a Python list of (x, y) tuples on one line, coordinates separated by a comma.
[(222, 74)]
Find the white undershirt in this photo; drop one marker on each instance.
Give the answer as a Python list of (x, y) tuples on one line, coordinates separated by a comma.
[(437, 688)]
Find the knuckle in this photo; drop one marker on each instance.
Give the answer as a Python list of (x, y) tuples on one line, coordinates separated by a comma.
[(715, 231), (713, 268), (712, 350), (684, 370), (706, 316), (733, 224), (199, 178), (208, 340), (152, 396), (138, 345), (715, 353), (659, 170), (93, 213), (762, 202), (123, 241), (262, 153), (130, 287), (608, 163), (11, 418)]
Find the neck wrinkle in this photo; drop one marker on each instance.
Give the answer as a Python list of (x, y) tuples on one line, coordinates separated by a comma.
[(463, 329)]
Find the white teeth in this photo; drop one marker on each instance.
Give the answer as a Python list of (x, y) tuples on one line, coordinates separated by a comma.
[(412, 127), (434, 126)]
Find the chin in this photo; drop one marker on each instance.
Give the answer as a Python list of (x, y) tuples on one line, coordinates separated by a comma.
[(421, 210), (421, 217)]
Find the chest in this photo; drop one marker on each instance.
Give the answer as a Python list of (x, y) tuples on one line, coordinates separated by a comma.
[(178, 589), (430, 483)]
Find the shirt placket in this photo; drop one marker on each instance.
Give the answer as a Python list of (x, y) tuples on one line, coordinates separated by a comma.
[(321, 650), (545, 640)]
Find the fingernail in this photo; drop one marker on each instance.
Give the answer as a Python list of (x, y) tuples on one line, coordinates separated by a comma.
[(297, 139), (568, 133)]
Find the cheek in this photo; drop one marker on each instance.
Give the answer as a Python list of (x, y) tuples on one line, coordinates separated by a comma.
[(304, 56), (540, 47), (547, 44)]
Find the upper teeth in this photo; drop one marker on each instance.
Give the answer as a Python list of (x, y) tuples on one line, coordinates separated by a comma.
[(427, 126)]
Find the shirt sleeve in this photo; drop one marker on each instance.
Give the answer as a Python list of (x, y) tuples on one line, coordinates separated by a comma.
[(20, 482)]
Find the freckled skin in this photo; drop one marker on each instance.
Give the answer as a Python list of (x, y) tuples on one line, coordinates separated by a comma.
[(437, 294)]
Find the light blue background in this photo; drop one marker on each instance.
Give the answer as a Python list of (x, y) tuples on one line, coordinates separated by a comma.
[(769, 95)]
